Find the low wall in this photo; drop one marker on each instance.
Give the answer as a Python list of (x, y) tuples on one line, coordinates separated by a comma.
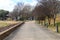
[(10, 30)]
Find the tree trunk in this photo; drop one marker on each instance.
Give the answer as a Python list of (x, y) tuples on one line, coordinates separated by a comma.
[(49, 21), (44, 22), (54, 19), (39, 21), (16, 18)]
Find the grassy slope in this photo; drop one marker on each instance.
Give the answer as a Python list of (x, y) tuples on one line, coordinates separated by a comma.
[(52, 27)]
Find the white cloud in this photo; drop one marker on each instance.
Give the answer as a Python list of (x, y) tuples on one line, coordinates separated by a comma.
[(7, 4), (33, 2)]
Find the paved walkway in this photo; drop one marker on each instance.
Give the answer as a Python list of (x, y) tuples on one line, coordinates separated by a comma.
[(32, 31)]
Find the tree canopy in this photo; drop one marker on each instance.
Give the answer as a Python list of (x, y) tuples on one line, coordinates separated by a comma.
[(3, 14)]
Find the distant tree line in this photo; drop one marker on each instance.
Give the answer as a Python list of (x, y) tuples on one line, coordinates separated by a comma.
[(21, 12)]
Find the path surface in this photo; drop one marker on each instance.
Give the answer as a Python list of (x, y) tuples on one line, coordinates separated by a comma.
[(32, 31)]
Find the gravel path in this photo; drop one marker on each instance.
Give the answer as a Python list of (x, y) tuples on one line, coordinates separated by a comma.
[(32, 31)]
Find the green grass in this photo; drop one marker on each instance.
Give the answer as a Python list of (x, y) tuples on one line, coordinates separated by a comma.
[(58, 24)]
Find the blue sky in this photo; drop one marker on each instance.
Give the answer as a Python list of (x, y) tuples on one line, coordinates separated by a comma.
[(9, 4)]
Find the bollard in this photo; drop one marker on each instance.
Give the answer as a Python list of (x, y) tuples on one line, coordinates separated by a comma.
[(47, 25), (57, 30)]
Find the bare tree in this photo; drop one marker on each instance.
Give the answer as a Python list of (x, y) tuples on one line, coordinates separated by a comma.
[(16, 13), (50, 8), (26, 11)]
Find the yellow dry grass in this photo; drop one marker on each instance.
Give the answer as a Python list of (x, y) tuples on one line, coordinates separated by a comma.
[(6, 23), (52, 27)]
